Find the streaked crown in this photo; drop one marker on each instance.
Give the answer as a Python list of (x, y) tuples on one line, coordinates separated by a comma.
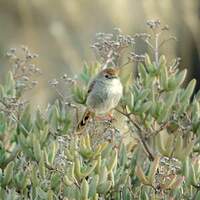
[(111, 72)]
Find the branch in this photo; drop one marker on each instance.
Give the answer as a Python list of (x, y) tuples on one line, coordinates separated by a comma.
[(162, 127), (145, 145)]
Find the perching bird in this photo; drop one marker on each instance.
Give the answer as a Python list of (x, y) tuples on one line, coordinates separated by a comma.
[(104, 93)]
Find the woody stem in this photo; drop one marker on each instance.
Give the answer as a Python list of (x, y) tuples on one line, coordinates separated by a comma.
[(142, 140)]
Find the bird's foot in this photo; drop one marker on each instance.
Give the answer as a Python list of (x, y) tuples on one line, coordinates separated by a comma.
[(109, 117)]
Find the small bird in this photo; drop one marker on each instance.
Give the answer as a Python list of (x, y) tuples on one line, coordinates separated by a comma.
[(104, 93)]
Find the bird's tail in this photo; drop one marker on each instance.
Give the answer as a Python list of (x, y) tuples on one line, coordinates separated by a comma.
[(86, 116)]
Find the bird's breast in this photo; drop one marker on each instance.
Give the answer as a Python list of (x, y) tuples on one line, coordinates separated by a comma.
[(105, 96), (115, 87)]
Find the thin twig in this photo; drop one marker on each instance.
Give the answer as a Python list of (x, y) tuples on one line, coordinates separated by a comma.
[(157, 131), (164, 41), (145, 145), (59, 93), (149, 44), (126, 63)]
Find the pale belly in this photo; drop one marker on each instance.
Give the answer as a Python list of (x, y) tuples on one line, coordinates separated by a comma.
[(104, 98)]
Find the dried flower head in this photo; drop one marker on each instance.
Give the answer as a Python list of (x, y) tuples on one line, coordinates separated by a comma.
[(22, 67), (153, 24), (109, 47)]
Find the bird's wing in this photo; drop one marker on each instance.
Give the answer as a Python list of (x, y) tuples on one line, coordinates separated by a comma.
[(86, 116), (91, 86), (87, 113)]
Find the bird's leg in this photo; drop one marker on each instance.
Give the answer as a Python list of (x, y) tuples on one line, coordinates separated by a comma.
[(111, 117), (108, 117), (99, 118)]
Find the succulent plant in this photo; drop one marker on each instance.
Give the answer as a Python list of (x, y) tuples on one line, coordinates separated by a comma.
[(153, 155)]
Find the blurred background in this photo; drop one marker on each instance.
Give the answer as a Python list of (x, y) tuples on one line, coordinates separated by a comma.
[(62, 31)]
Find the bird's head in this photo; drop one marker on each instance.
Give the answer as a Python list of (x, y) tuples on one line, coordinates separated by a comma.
[(110, 73)]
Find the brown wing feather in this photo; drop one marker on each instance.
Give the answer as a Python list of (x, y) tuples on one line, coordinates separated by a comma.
[(87, 114), (91, 85)]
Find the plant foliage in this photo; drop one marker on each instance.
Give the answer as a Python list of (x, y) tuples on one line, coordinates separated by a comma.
[(153, 155)]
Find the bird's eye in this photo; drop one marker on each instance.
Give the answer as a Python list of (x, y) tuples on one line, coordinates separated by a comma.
[(106, 76)]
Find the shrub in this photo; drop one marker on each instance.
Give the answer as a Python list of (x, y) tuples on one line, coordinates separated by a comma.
[(153, 155)]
